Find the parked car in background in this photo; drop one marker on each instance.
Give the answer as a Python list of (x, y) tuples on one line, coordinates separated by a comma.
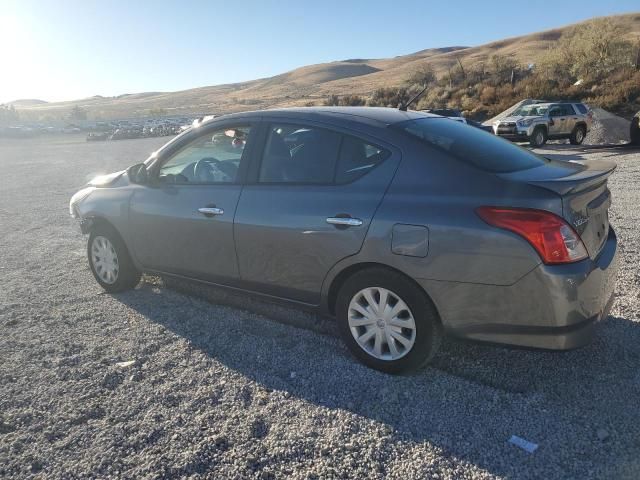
[(450, 113), (539, 122), (634, 131), (486, 128), (401, 225), (456, 115), (97, 136)]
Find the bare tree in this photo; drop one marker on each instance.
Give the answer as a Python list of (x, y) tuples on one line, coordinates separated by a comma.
[(423, 75)]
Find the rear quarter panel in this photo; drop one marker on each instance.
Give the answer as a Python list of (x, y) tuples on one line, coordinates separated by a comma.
[(439, 192)]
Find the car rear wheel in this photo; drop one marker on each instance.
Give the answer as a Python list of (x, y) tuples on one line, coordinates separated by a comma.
[(578, 134), (109, 260), (538, 138), (387, 321)]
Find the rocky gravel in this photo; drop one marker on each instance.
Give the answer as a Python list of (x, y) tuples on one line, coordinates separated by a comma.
[(156, 383)]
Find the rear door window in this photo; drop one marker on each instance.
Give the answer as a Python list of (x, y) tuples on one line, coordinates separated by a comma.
[(471, 145), (298, 154)]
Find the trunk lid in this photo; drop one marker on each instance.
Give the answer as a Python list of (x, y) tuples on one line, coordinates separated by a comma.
[(585, 196)]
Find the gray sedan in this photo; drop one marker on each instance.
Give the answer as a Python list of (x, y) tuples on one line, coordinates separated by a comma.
[(401, 225)]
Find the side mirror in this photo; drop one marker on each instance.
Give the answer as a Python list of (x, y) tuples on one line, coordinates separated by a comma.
[(138, 174)]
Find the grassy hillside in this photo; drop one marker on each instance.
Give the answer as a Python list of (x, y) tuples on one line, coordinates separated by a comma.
[(314, 83)]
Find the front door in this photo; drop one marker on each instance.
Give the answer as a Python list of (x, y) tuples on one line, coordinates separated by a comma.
[(183, 222), (313, 197)]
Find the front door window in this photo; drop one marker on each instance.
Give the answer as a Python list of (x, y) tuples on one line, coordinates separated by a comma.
[(211, 158)]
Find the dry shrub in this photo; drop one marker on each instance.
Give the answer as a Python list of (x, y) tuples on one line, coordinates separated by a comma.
[(488, 95)]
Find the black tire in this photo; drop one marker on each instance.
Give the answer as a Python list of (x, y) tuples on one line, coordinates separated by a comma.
[(578, 134), (428, 330), (539, 137), (127, 275), (634, 131)]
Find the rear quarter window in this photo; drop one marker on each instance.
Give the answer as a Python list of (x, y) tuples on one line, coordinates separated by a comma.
[(581, 108), (471, 145)]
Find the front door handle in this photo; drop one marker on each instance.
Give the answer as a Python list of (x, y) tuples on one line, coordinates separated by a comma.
[(211, 211), (344, 221)]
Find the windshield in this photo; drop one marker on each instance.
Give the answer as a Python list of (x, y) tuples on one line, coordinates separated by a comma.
[(471, 145), (531, 110)]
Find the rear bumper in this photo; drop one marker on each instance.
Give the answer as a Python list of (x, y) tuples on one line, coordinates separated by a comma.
[(552, 307)]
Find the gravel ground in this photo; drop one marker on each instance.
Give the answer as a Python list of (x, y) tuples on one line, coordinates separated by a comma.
[(607, 128), (155, 383)]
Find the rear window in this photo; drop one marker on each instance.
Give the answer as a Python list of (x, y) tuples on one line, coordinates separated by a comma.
[(471, 145)]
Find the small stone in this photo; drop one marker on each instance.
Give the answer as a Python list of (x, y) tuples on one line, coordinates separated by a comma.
[(292, 375), (602, 434), (125, 364)]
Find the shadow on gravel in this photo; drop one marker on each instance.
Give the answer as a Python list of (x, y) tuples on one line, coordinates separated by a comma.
[(470, 394)]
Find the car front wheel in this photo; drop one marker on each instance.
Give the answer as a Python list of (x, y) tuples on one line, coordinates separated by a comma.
[(387, 321), (538, 138), (109, 260)]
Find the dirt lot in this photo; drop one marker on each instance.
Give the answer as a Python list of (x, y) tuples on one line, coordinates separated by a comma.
[(216, 391)]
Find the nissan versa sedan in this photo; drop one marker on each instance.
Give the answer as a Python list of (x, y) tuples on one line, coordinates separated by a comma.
[(402, 225)]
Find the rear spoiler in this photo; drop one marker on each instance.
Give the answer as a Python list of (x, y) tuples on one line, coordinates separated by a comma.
[(570, 177)]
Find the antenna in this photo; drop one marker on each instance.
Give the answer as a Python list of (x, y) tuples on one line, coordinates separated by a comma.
[(403, 106)]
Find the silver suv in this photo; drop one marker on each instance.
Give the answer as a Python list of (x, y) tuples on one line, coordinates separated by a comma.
[(540, 122)]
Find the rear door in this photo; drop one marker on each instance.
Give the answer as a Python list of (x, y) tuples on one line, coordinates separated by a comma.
[(313, 194), (558, 120), (571, 116), (561, 117), (183, 222)]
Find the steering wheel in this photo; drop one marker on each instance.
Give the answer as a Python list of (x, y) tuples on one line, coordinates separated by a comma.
[(202, 168)]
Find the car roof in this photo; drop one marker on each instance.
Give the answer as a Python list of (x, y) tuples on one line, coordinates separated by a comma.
[(377, 115), (547, 104)]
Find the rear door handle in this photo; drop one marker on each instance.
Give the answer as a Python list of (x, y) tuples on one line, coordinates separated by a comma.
[(344, 221), (211, 211)]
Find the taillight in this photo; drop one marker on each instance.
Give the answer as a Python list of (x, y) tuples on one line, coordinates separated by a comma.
[(552, 237)]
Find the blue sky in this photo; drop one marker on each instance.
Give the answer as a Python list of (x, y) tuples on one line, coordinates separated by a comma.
[(62, 50)]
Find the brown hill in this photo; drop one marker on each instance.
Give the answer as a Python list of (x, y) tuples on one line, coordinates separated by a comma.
[(27, 102), (314, 83)]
